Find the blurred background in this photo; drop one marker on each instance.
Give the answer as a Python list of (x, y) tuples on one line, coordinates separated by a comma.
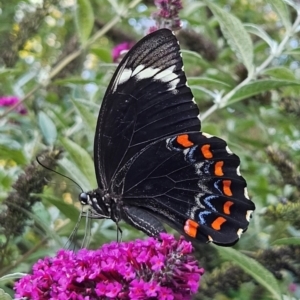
[(56, 60)]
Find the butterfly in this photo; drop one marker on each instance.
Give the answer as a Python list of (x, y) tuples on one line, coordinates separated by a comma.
[(152, 163)]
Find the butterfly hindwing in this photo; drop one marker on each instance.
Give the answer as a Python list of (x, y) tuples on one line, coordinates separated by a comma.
[(147, 99), (192, 182)]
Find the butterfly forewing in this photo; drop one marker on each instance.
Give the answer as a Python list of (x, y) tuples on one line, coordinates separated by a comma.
[(153, 164), (147, 99)]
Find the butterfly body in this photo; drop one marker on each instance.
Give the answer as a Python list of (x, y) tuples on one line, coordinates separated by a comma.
[(152, 163)]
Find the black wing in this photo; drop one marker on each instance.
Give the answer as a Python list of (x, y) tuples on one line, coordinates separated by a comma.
[(192, 182), (147, 99)]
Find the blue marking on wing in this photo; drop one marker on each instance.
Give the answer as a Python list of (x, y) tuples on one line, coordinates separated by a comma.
[(190, 155), (201, 217), (216, 185), (207, 202)]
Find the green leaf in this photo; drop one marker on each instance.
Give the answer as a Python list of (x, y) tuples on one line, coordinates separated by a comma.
[(280, 73), (40, 210), (68, 210), (76, 174), (16, 155), (287, 241), (235, 34), (5, 72), (72, 80), (191, 8), (12, 276), (188, 55), (41, 222), (4, 296), (282, 11), (82, 159), (87, 116), (47, 127), (84, 17), (260, 32), (208, 82), (103, 54), (258, 87), (253, 268), (294, 52)]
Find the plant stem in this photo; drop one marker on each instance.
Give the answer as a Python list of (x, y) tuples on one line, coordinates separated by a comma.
[(224, 100)]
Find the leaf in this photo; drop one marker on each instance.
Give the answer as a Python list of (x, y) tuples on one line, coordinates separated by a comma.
[(192, 55), (253, 268), (41, 222), (103, 54), (191, 8), (12, 276), (282, 11), (280, 73), (258, 30), (72, 80), (68, 210), (209, 82), (258, 87), (235, 34), (76, 174), (82, 159), (294, 52), (3, 295), (5, 72), (84, 18), (287, 241), (39, 210), (87, 116), (47, 127), (292, 3), (17, 155)]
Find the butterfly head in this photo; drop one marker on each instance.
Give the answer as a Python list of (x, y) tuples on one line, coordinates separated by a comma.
[(98, 203)]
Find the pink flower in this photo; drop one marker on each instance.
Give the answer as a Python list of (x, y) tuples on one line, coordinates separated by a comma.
[(119, 50), (157, 262), (167, 271), (7, 101), (292, 287), (167, 15)]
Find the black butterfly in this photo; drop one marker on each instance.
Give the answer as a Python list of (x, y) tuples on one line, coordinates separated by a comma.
[(152, 163)]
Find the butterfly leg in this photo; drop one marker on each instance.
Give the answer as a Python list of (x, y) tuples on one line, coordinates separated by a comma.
[(142, 220), (119, 231)]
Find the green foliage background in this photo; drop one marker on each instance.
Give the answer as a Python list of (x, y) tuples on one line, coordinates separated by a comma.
[(242, 62)]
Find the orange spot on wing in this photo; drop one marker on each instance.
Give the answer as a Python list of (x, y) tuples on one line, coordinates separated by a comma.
[(190, 228), (226, 207), (184, 141), (206, 151), (217, 223), (226, 187), (219, 168)]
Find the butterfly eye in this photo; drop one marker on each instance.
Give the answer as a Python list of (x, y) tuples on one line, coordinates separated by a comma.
[(83, 198)]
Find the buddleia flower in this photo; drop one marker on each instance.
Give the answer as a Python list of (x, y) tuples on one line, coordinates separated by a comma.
[(140, 269)]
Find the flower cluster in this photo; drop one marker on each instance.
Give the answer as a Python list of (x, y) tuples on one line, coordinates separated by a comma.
[(167, 15), (149, 269), (7, 101)]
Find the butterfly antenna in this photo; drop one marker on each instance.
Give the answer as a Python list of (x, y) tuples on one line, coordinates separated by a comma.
[(40, 163)]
